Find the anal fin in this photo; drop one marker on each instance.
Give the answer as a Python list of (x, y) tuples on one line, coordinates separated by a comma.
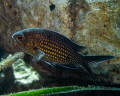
[(90, 72), (49, 63), (70, 66)]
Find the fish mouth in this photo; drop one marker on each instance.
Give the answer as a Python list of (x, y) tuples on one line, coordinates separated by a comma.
[(14, 38)]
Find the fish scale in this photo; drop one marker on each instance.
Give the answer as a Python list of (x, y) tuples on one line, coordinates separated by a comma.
[(54, 48), (59, 53), (64, 52)]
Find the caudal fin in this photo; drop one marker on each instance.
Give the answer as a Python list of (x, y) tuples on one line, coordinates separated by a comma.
[(94, 60), (98, 59)]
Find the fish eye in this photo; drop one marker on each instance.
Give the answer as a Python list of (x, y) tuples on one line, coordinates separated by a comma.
[(21, 38)]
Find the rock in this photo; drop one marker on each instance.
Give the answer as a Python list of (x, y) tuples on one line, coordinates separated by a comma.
[(1, 53), (90, 23), (6, 80), (25, 77)]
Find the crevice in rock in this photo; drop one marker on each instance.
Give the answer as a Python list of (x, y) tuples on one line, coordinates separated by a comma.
[(52, 7)]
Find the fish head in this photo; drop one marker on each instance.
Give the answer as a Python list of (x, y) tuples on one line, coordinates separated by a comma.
[(24, 40)]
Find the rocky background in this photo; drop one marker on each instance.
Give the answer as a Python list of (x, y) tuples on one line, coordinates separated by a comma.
[(91, 23)]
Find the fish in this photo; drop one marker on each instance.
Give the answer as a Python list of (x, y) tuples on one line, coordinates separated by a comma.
[(54, 49)]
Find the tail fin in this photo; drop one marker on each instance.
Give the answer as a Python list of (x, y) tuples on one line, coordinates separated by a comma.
[(94, 60)]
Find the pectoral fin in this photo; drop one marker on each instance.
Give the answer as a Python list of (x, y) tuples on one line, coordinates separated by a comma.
[(38, 55)]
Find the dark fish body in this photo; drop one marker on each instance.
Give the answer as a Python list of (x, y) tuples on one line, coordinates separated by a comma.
[(54, 48)]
